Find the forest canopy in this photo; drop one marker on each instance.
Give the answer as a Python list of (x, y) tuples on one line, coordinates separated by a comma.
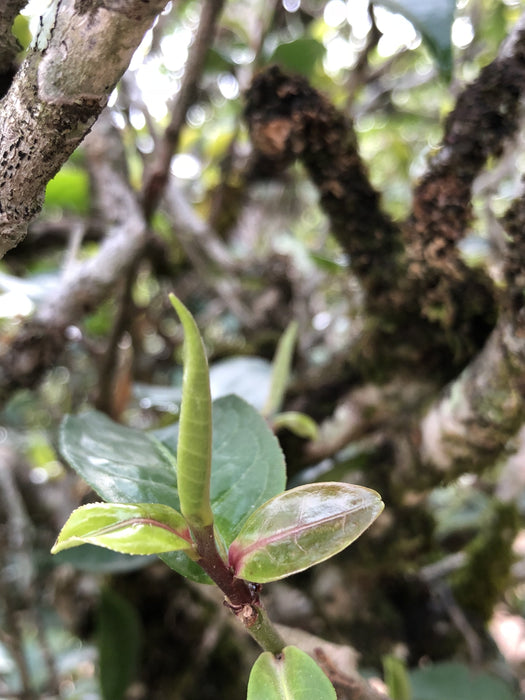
[(334, 191)]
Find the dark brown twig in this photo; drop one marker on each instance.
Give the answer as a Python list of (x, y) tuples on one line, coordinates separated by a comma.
[(157, 174)]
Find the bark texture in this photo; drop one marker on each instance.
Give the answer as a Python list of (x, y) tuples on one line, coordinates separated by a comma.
[(82, 50)]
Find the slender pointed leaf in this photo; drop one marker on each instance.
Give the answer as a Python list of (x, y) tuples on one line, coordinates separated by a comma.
[(300, 528), (194, 446), (293, 675), (130, 529), (281, 369), (298, 423)]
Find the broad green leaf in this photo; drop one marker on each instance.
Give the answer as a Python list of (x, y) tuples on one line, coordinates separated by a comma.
[(121, 464), (298, 423), (248, 465), (300, 528), (451, 680), (293, 675), (281, 369), (299, 56), (118, 633), (194, 446), (125, 466), (433, 20), (130, 529)]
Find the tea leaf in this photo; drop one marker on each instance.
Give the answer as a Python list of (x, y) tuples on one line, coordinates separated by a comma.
[(194, 447), (300, 528), (293, 675), (130, 529)]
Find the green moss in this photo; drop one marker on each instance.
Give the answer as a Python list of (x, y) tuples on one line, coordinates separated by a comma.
[(480, 584)]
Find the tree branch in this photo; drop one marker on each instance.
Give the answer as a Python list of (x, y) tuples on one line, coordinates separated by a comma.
[(88, 282), (288, 119), (468, 427), (486, 116), (57, 94), (8, 43), (157, 175)]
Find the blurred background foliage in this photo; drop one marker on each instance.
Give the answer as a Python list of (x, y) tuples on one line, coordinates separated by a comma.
[(67, 617)]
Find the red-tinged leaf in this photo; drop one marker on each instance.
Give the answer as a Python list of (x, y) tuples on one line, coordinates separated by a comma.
[(300, 528), (146, 528)]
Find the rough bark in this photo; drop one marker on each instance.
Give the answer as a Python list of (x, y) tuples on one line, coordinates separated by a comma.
[(79, 55), (288, 119), (84, 283)]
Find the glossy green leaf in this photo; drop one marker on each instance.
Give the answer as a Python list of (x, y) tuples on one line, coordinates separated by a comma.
[(121, 464), (248, 465), (281, 369), (300, 528), (130, 529), (433, 20), (300, 55), (194, 446), (297, 423), (125, 466), (118, 637), (293, 675)]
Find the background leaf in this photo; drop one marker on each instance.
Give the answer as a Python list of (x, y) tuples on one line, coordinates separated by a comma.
[(297, 423), (433, 20), (300, 528), (118, 644), (282, 363), (88, 557), (292, 676), (449, 680), (246, 377), (299, 56), (69, 190)]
